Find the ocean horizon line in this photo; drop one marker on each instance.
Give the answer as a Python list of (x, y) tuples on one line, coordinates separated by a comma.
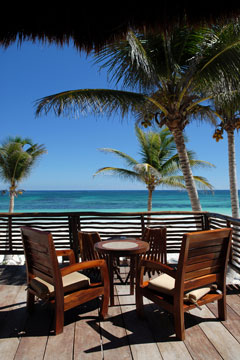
[(178, 190)]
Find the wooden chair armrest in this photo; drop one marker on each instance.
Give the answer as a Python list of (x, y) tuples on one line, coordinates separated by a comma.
[(101, 263), (157, 265), (69, 253), (83, 266)]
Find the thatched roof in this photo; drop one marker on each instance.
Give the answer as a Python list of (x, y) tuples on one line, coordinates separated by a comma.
[(91, 26)]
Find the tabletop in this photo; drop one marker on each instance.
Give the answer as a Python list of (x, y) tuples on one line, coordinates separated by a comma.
[(130, 246)]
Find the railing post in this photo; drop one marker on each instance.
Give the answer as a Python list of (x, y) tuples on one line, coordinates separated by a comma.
[(229, 225), (10, 234), (205, 222), (142, 224), (73, 234)]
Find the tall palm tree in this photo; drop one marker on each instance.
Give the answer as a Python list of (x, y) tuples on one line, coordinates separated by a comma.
[(17, 158), (171, 76), (230, 121), (159, 164)]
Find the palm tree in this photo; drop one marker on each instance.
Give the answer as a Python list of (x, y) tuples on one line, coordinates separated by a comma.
[(172, 78), (17, 158), (230, 122), (159, 164)]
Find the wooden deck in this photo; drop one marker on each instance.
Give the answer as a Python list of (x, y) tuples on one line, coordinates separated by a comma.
[(121, 336)]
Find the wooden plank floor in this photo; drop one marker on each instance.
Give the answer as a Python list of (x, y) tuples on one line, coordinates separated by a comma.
[(121, 336)]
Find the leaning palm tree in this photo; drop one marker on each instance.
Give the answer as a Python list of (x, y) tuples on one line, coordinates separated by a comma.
[(230, 121), (159, 164), (169, 78), (17, 158)]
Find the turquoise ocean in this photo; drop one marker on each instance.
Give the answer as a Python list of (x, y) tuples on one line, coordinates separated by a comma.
[(115, 201)]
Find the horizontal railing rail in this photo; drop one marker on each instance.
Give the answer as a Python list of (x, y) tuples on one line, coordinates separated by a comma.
[(64, 227)]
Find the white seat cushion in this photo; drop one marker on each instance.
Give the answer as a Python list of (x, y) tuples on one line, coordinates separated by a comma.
[(166, 284), (163, 283), (71, 282)]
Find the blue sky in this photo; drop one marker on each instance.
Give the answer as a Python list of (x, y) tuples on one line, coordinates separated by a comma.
[(31, 71)]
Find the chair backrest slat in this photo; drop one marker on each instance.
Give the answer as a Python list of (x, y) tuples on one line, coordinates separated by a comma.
[(204, 257), (204, 250), (203, 271), (196, 244), (202, 281), (204, 264)]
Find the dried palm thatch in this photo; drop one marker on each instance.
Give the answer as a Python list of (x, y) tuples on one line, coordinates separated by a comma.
[(91, 25)]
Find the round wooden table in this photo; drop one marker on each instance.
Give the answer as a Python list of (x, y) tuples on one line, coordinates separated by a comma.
[(130, 247)]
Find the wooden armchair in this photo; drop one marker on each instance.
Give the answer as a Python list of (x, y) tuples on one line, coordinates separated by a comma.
[(87, 240), (200, 277), (156, 237), (64, 288)]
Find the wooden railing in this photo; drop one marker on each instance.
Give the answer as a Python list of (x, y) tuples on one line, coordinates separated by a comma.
[(216, 221), (64, 227)]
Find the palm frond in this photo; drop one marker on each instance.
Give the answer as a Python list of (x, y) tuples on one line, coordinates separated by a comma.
[(203, 113), (202, 183), (97, 101), (200, 164), (121, 172), (128, 62), (220, 60), (129, 160), (176, 182)]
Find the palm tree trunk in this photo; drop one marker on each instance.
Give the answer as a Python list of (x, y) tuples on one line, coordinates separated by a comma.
[(8, 259), (186, 169), (11, 259), (150, 191), (11, 203), (233, 174)]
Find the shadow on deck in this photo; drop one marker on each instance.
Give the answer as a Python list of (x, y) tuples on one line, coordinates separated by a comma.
[(123, 335)]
